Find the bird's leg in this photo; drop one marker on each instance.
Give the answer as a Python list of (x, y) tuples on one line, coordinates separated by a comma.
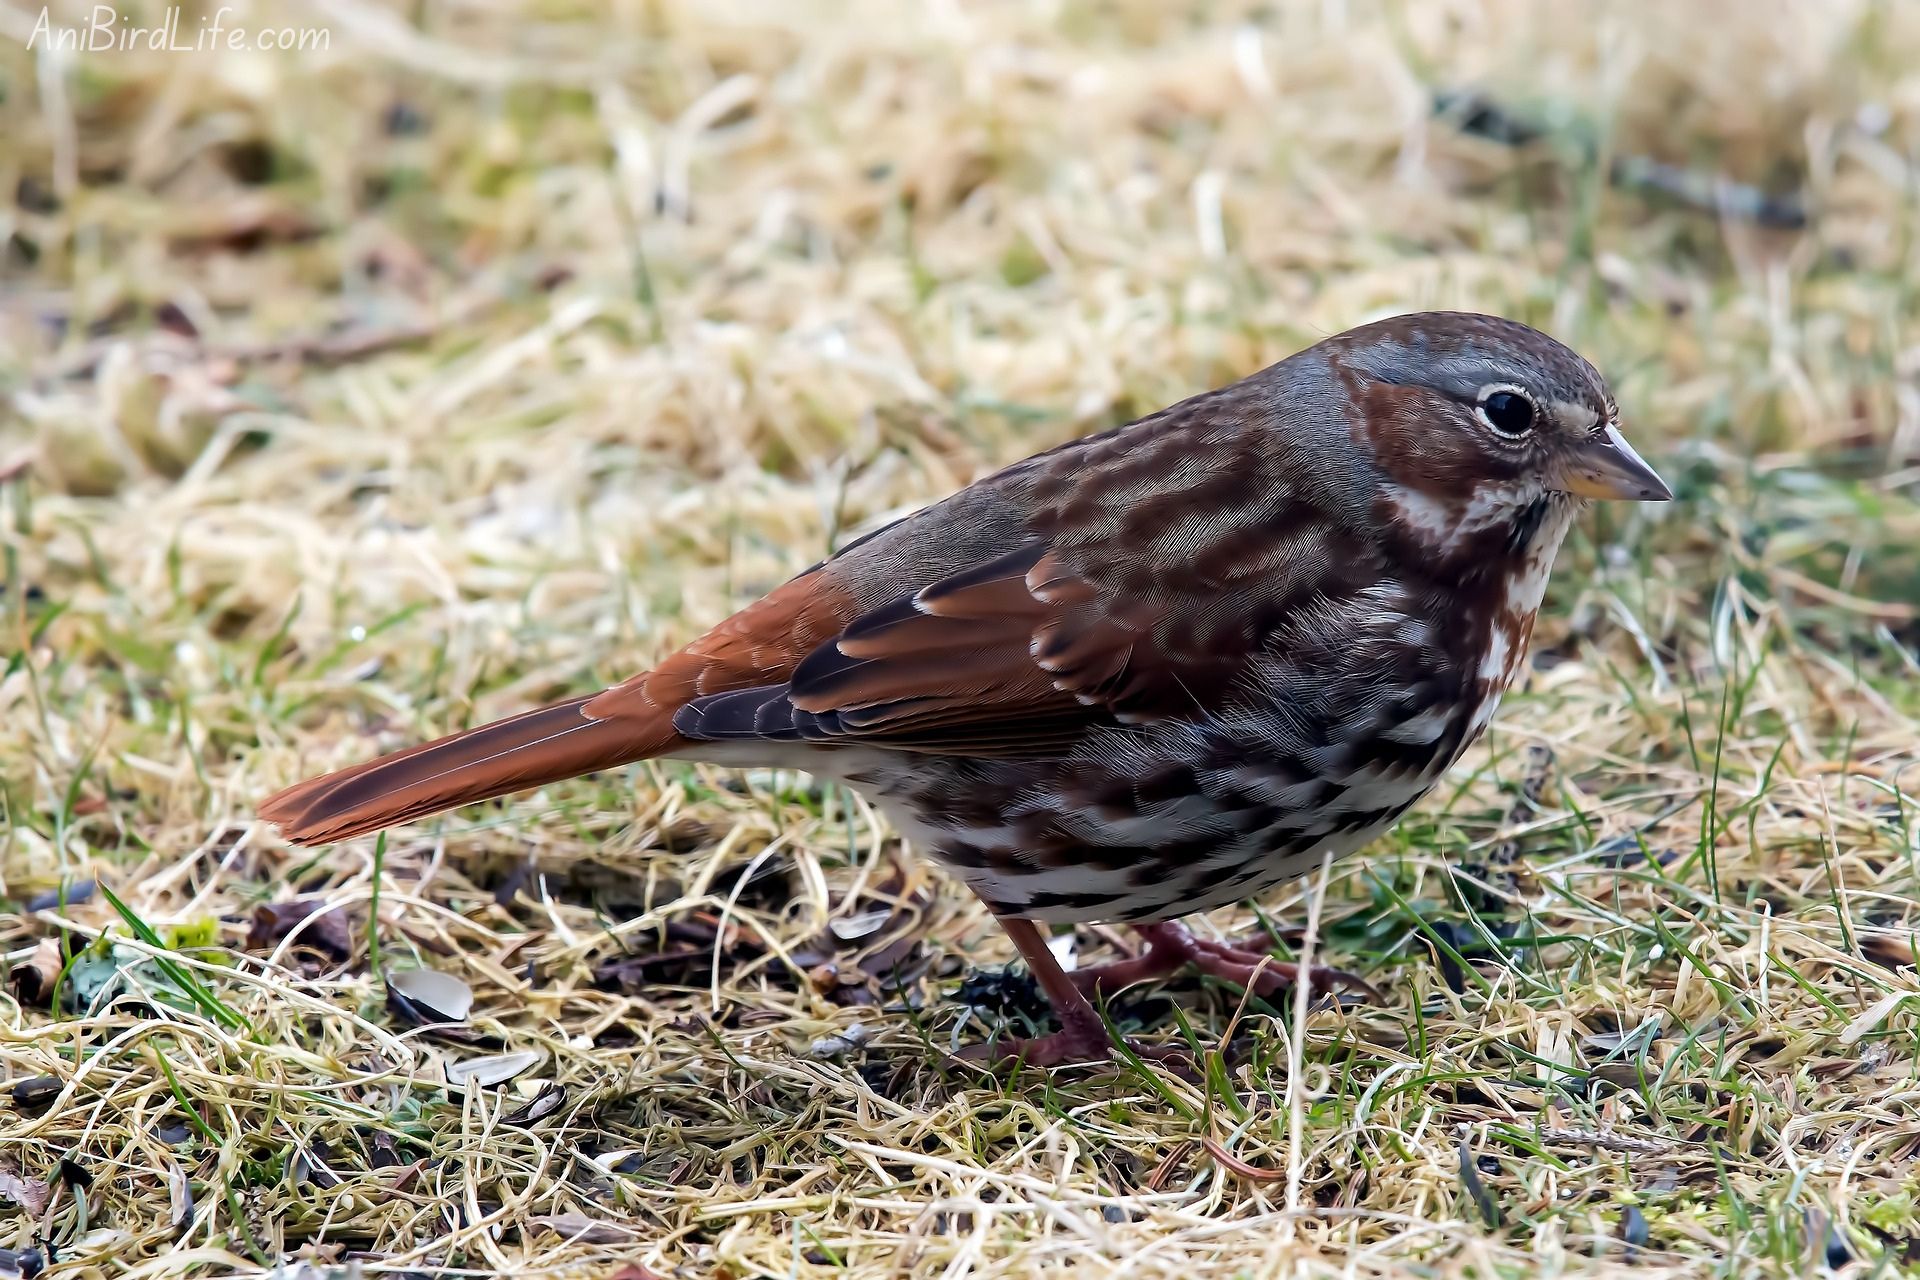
[(1171, 945), (1082, 1036)]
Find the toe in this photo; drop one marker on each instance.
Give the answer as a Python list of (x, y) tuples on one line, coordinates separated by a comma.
[(1061, 1049)]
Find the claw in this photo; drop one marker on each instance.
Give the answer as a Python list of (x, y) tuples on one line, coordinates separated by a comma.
[(1069, 1048)]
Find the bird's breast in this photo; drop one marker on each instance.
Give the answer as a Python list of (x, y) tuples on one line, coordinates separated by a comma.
[(1348, 718)]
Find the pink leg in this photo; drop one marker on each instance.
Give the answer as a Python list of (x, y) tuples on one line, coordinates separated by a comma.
[(1082, 1036), (1172, 946)]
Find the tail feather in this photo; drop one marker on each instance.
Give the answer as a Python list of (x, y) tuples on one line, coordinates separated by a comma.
[(515, 754)]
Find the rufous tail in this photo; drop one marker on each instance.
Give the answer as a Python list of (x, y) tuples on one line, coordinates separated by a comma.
[(515, 754)]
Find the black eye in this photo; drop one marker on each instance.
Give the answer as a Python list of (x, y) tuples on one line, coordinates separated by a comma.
[(1508, 412)]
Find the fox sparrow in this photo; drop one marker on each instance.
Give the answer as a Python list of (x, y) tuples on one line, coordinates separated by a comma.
[(1147, 673)]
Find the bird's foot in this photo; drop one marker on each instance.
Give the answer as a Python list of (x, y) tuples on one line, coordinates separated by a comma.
[(1083, 1040), (1172, 946), (1161, 958), (1068, 1047)]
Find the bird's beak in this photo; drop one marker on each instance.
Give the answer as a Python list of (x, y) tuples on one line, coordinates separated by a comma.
[(1604, 465)]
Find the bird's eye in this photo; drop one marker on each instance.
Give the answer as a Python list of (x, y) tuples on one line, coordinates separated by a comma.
[(1507, 411)]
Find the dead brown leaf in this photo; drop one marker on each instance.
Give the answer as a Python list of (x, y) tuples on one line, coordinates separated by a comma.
[(313, 922), (30, 1194), (35, 977)]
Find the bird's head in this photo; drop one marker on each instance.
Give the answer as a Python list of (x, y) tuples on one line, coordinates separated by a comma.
[(1479, 428)]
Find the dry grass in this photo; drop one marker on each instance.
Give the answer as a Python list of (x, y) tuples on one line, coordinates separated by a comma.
[(353, 396)]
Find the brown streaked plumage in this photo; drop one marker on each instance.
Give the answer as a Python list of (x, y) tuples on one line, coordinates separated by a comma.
[(1146, 673)]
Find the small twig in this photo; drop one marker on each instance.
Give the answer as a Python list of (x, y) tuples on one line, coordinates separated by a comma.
[(1234, 1164), (1710, 193), (1481, 117), (1168, 1163), (1609, 1141), (341, 347)]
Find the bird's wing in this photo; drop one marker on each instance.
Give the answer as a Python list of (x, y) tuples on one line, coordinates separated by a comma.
[(1146, 579), (1013, 656), (1123, 578)]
